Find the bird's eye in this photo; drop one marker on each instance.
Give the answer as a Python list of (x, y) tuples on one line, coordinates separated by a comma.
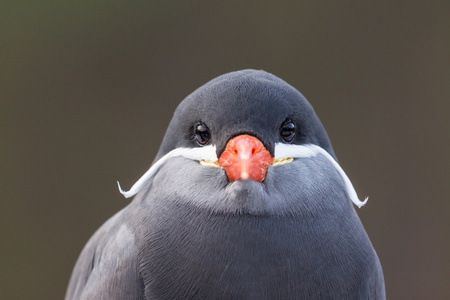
[(201, 134), (287, 131)]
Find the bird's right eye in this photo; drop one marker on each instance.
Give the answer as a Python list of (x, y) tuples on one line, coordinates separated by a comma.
[(202, 134), (287, 131)]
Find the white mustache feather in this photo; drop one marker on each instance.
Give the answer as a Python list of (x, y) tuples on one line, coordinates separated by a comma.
[(311, 150), (201, 153)]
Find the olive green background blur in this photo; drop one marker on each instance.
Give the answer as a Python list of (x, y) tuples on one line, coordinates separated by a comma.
[(87, 89)]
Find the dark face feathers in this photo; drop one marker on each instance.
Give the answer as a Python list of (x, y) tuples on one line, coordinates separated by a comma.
[(255, 103), (248, 101), (192, 233)]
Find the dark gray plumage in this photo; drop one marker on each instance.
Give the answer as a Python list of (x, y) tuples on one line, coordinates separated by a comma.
[(193, 234)]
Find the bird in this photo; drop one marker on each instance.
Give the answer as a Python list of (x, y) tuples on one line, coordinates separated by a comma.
[(245, 199)]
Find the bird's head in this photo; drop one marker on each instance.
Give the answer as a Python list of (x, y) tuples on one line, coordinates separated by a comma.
[(247, 141)]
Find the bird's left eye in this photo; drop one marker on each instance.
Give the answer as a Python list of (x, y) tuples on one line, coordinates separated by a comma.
[(202, 134), (287, 131)]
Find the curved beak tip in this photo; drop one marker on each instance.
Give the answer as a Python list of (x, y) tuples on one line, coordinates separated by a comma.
[(244, 175)]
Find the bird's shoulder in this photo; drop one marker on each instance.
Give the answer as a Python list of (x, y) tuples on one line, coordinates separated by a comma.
[(108, 260)]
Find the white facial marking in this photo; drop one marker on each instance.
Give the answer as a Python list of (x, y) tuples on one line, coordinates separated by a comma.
[(207, 153), (207, 156), (310, 150)]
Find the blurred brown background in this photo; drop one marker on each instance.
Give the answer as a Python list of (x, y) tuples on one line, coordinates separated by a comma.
[(87, 89)]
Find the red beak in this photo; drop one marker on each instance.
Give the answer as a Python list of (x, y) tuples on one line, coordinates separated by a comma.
[(245, 157)]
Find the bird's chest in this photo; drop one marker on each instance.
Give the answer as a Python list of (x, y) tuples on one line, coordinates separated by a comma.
[(200, 255)]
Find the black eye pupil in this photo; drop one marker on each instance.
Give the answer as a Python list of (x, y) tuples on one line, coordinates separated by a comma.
[(202, 134), (287, 131)]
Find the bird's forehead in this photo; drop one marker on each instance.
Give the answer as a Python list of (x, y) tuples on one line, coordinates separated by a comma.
[(239, 102)]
